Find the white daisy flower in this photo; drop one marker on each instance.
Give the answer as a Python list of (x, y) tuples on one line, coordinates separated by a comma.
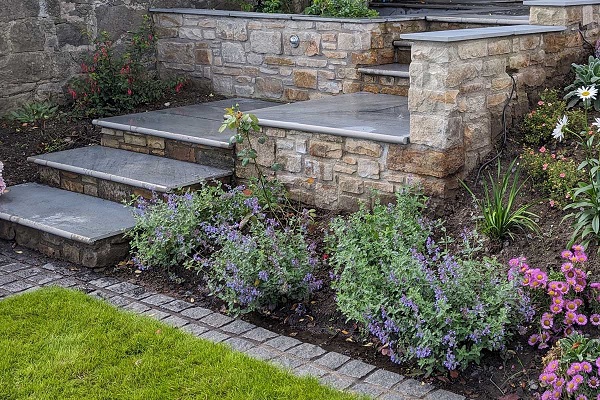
[(597, 124), (558, 130), (587, 93)]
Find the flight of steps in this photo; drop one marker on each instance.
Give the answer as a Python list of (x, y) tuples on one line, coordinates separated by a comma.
[(390, 78), (77, 213)]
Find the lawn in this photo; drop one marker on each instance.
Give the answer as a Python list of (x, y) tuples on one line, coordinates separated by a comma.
[(62, 344)]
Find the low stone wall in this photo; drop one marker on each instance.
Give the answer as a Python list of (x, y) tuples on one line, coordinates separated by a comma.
[(249, 54), (41, 41), (337, 173)]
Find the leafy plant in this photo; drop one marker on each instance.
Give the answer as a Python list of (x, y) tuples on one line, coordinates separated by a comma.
[(554, 173), (421, 303), (572, 369), (36, 112), (586, 75), (502, 216), (112, 83), (539, 123), (341, 9)]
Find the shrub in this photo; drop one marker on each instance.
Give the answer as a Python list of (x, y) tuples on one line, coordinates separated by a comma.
[(539, 123), (112, 83), (341, 9), (572, 369), (554, 173), (268, 265), (168, 229), (422, 304), (36, 112), (501, 214), (561, 296), (586, 75)]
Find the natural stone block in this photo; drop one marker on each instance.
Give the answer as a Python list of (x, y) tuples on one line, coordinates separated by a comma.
[(155, 142), (364, 147), (204, 57), (431, 101), (136, 140), (424, 161), (354, 41), (383, 187), (472, 49), (305, 79), (436, 131), (324, 149), (295, 94), (174, 51), (269, 87), (232, 52), (351, 185), (265, 42), (499, 46), (231, 29), (368, 169), (345, 168)]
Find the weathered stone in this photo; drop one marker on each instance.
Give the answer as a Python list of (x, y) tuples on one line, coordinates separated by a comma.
[(425, 161), (231, 29), (498, 46), (354, 41), (351, 185), (270, 88), (305, 79), (136, 140), (365, 147), (266, 42), (368, 169), (174, 51), (324, 149), (233, 53), (295, 94), (204, 57)]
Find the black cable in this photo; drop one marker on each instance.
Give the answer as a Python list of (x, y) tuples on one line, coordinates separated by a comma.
[(585, 40), (505, 130)]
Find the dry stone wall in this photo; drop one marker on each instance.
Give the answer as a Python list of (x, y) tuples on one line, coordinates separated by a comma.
[(41, 41)]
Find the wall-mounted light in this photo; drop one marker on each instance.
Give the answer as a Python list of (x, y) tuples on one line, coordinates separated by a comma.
[(294, 41)]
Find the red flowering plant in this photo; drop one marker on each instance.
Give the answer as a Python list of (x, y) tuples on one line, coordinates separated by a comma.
[(112, 82), (566, 300)]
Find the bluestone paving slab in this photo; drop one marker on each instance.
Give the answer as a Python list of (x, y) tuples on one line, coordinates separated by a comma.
[(238, 327), (359, 115), (196, 312), (384, 378), (259, 334), (196, 124), (66, 214), (130, 168), (356, 369), (332, 360)]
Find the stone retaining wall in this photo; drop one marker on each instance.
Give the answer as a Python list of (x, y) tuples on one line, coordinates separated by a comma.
[(250, 55), (41, 41)]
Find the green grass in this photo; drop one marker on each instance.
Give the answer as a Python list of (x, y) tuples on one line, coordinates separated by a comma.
[(62, 344)]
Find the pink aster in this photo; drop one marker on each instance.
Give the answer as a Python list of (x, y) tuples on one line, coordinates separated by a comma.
[(574, 368), (566, 267), (586, 367), (578, 247), (534, 339), (571, 386), (595, 319), (581, 397), (560, 382), (555, 309), (570, 305), (594, 382), (566, 254), (552, 366), (581, 319), (547, 321), (547, 378), (598, 362)]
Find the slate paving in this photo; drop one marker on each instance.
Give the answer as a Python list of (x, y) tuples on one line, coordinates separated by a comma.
[(22, 271)]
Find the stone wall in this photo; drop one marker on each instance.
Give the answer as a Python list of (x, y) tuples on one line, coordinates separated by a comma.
[(41, 41)]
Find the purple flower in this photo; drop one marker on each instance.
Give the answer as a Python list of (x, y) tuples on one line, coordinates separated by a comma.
[(263, 276)]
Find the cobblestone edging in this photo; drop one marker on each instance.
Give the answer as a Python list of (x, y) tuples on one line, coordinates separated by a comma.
[(26, 271)]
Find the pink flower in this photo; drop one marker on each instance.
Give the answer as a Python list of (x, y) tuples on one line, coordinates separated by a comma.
[(593, 382), (570, 305), (547, 321), (540, 103), (578, 247), (542, 149), (129, 92), (544, 167), (562, 175), (595, 319), (581, 319), (552, 366), (598, 362), (534, 339), (574, 369), (581, 397), (552, 203), (566, 254), (586, 366), (566, 267), (555, 309)]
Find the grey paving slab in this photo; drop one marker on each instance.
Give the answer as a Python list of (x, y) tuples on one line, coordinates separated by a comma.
[(66, 214), (135, 169), (239, 344), (356, 369), (393, 395), (457, 35), (559, 3), (358, 115), (122, 287), (65, 282), (138, 294), (443, 395), (288, 361), (260, 334), (195, 124), (176, 321), (4, 279), (136, 307), (368, 389), (414, 388), (309, 370), (158, 299), (100, 294), (307, 351), (384, 378), (27, 272), (283, 342), (215, 336), (177, 305), (337, 382), (196, 312), (194, 329), (262, 353), (156, 314), (12, 267), (104, 282), (119, 301), (44, 278), (394, 69), (16, 286), (238, 327), (332, 360), (216, 320)]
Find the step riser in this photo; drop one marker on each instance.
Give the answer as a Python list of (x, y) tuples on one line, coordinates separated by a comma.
[(104, 189), (103, 253), (170, 148), (385, 85)]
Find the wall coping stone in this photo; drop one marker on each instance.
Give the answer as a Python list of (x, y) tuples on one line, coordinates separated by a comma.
[(560, 3), (294, 17), (457, 35), (481, 19)]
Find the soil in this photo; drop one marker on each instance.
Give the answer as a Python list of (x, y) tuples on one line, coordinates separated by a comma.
[(509, 376)]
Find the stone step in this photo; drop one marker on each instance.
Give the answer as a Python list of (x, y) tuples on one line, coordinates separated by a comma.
[(403, 43), (116, 175), (189, 133), (395, 69), (81, 229)]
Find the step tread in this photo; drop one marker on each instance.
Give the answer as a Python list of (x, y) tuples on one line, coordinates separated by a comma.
[(394, 69), (195, 124), (135, 169), (74, 216)]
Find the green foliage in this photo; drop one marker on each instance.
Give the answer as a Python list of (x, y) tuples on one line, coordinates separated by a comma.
[(422, 303), (539, 123), (502, 216), (112, 83), (585, 75), (341, 9), (168, 230), (586, 205), (267, 266), (64, 344), (555, 174), (36, 112)]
